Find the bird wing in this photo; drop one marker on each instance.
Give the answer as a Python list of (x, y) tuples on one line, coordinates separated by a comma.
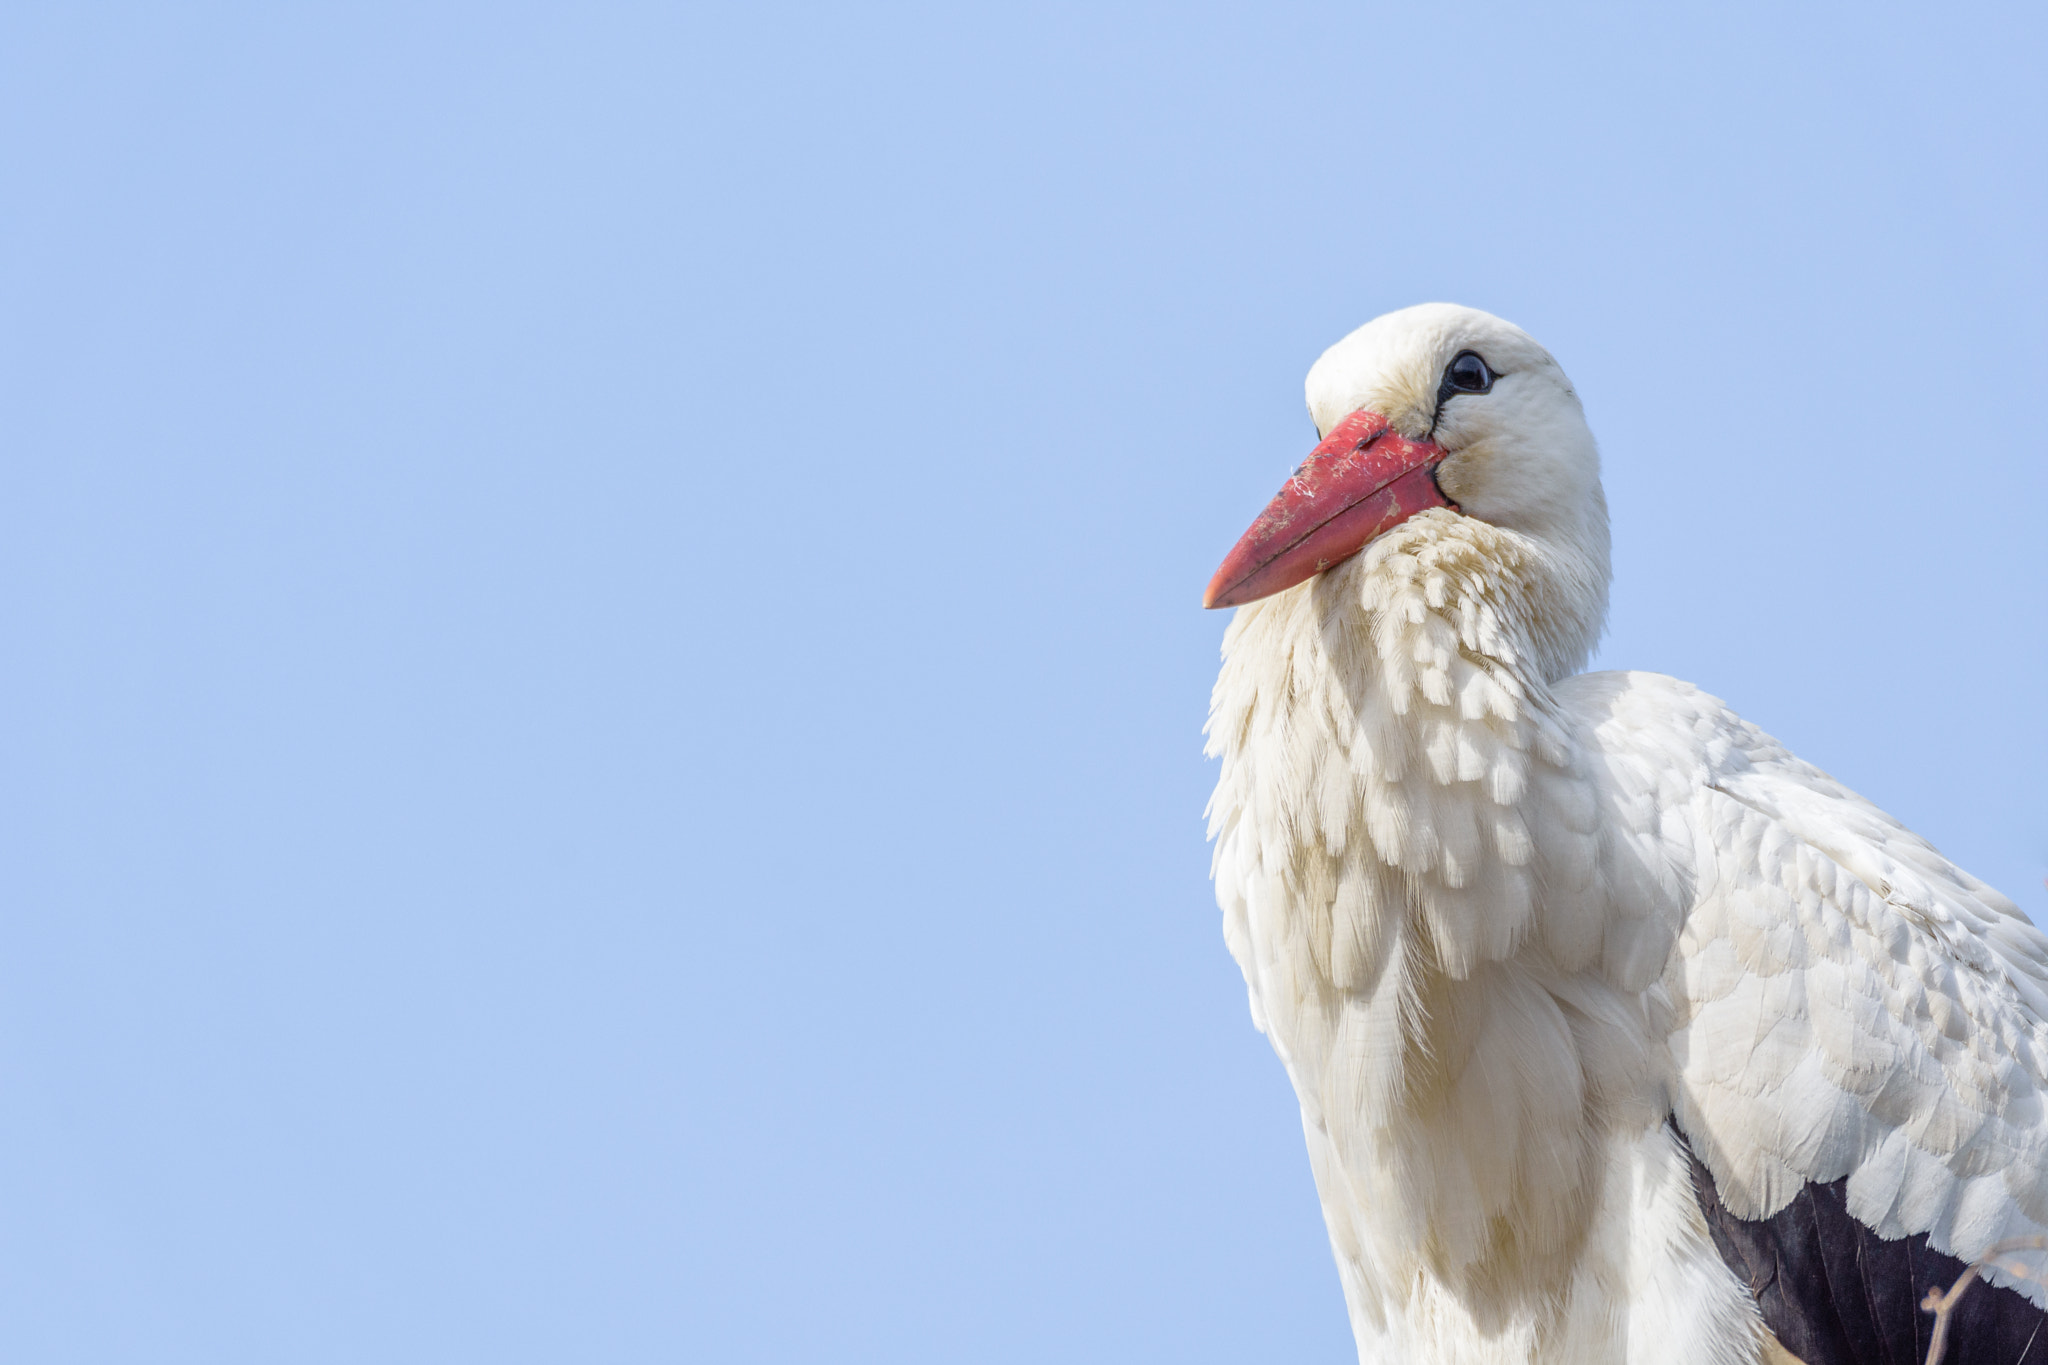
[(1855, 1018)]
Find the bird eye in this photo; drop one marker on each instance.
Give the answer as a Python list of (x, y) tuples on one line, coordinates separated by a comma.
[(1467, 374)]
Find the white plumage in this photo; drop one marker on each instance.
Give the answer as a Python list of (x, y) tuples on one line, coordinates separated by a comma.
[(1518, 935)]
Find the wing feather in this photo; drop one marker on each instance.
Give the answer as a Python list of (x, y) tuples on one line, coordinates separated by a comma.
[(1847, 1003)]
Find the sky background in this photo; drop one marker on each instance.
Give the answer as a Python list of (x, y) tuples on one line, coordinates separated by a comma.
[(600, 743)]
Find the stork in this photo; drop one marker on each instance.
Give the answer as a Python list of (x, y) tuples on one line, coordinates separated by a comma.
[(1620, 1034)]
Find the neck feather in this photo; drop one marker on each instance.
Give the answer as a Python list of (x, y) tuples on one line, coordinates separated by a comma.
[(1410, 864)]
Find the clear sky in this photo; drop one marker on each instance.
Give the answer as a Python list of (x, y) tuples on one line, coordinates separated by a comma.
[(601, 753)]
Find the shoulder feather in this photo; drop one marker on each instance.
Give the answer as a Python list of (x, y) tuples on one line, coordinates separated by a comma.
[(1847, 1003)]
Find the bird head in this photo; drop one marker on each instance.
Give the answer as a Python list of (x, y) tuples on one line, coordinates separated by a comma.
[(1432, 406)]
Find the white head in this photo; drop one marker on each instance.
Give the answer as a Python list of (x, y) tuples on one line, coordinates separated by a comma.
[(1516, 448), (1438, 406)]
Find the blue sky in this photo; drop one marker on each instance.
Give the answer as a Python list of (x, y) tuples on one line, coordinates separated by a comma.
[(603, 672)]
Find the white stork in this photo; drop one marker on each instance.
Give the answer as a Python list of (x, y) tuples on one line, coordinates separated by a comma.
[(1620, 1034)]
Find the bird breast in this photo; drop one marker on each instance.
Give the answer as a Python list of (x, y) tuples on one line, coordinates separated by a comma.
[(1454, 954)]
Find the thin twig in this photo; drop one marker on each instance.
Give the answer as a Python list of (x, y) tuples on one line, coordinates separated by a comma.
[(1943, 1305)]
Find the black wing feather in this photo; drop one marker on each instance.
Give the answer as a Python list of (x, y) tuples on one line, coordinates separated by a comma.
[(1836, 1293)]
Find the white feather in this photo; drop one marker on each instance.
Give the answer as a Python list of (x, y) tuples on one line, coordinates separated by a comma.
[(1500, 923)]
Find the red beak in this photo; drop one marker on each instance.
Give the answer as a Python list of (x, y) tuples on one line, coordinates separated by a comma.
[(1363, 480)]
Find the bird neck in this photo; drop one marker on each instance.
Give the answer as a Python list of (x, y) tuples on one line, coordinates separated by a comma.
[(1396, 712), (1392, 619), (1532, 604), (1407, 825)]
